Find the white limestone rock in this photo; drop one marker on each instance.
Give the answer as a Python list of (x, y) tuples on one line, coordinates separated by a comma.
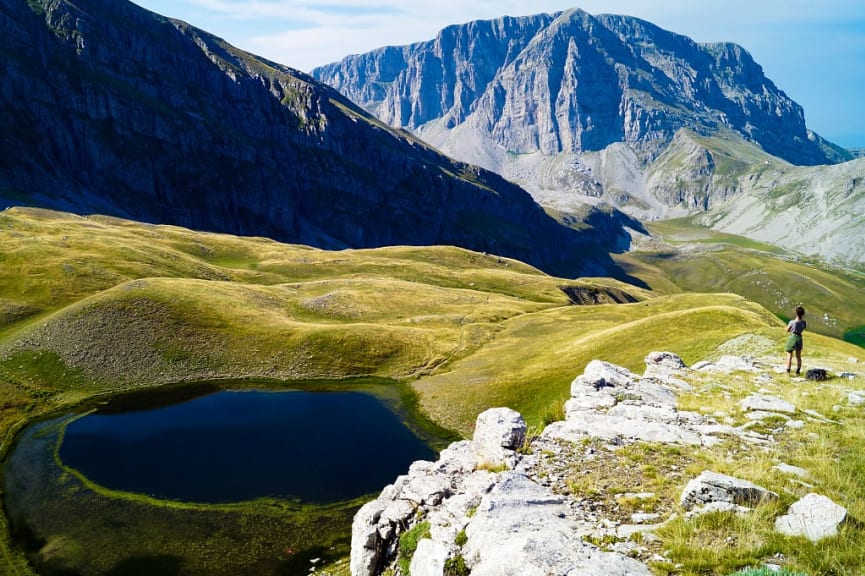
[(792, 470), (666, 360), (666, 367), (728, 364), (429, 558), (591, 400), (814, 517), (766, 403), (498, 433), (713, 507), (366, 544), (649, 391), (619, 428), (600, 374), (856, 397), (521, 529), (711, 487)]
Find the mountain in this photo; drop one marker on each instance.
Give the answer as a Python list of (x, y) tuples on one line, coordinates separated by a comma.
[(817, 211), (574, 106), (113, 109)]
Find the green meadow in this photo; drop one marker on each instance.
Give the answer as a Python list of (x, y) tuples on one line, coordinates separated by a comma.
[(92, 306), (695, 259)]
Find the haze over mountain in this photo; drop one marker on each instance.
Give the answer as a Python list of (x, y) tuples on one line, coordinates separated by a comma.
[(111, 108)]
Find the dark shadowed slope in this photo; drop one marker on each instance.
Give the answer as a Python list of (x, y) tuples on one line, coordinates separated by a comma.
[(110, 108)]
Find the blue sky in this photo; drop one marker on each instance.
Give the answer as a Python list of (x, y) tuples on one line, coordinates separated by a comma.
[(813, 50)]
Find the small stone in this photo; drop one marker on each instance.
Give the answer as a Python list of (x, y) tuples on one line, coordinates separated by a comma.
[(792, 470), (856, 397), (767, 403), (814, 516)]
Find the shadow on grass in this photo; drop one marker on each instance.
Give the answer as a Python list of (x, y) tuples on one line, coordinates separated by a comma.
[(161, 565), (856, 336), (302, 562)]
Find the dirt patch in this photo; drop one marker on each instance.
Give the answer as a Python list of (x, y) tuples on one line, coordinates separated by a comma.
[(584, 295)]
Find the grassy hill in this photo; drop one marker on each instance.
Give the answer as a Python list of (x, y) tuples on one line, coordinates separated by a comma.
[(98, 305), (695, 259), (93, 305)]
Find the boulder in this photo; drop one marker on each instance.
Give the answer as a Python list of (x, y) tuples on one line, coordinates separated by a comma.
[(711, 487), (366, 544), (792, 470), (814, 517), (599, 374), (429, 558), (498, 433), (521, 529)]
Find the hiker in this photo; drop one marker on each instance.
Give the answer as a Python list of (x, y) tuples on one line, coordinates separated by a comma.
[(794, 342)]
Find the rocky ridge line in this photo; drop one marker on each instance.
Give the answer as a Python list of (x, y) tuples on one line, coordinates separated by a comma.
[(500, 504), (109, 108), (576, 82)]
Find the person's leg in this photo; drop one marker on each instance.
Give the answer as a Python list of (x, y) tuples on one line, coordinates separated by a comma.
[(789, 360), (798, 361)]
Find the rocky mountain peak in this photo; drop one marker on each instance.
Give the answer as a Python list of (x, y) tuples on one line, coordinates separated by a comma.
[(581, 109), (572, 82)]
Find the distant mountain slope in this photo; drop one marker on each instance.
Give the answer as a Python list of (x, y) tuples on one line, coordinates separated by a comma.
[(110, 108), (818, 211), (579, 108)]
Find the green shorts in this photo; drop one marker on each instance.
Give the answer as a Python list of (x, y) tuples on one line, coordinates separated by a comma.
[(794, 342)]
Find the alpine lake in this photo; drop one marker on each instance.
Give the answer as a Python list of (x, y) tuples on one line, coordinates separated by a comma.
[(209, 479)]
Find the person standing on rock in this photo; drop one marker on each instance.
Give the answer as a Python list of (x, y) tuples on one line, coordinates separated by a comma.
[(794, 342)]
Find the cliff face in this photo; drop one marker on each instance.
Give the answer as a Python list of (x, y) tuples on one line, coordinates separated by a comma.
[(818, 211), (573, 82), (111, 108)]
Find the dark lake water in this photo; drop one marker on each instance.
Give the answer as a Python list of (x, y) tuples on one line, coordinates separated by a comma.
[(231, 446), (247, 481)]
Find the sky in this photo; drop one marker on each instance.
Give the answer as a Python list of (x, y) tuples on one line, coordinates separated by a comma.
[(812, 50)]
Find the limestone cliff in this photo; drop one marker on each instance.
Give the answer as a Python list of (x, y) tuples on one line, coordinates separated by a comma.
[(110, 108), (573, 82)]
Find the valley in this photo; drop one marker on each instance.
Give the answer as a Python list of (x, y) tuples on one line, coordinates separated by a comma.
[(417, 234), (86, 302)]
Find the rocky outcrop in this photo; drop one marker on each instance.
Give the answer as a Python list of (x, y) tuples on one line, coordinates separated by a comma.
[(492, 507), (713, 492), (110, 108), (618, 406), (502, 524)]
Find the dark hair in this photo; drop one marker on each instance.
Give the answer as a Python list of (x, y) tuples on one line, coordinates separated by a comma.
[(800, 311)]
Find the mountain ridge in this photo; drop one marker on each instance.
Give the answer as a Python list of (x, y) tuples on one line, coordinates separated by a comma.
[(607, 109), (653, 82), (115, 109)]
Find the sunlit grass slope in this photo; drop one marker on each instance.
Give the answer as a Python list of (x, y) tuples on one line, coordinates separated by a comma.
[(91, 305), (97, 305), (695, 259)]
